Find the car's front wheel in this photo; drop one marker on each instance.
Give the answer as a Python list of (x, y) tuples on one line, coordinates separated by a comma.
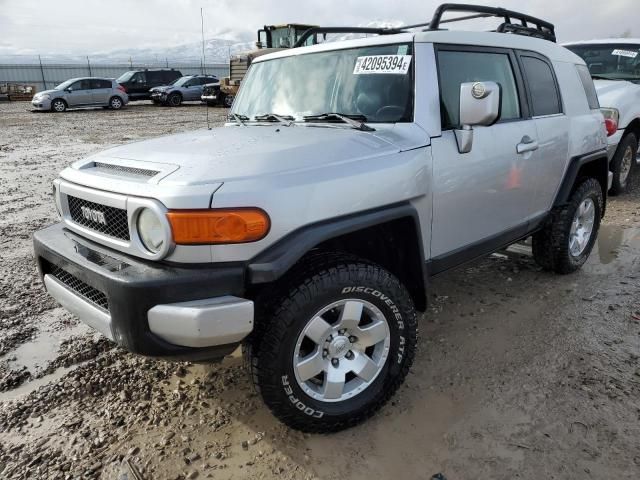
[(174, 100), (623, 163), (115, 103), (334, 345), (58, 105)]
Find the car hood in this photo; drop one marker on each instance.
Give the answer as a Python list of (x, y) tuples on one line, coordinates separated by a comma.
[(240, 152), (615, 93), (44, 92), (162, 88)]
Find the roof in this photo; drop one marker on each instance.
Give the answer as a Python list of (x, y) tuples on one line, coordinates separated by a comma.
[(619, 41), (549, 49)]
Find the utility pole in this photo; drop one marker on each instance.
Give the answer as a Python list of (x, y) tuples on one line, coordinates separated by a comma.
[(89, 65), (44, 82)]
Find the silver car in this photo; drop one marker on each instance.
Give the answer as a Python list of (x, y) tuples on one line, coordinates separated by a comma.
[(187, 88), (82, 92)]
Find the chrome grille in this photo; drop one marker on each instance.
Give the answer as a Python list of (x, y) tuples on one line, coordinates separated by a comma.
[(139, 172), (92, 295), (116, 224)]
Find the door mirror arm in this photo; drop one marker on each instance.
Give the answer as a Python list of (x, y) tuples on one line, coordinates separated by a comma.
[(479, 105)]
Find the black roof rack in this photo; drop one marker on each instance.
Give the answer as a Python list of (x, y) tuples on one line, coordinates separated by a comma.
[(528, 26)]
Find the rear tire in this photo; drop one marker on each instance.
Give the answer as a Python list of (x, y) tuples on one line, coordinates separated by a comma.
[(115, 103), (58, 105), (365, 368), (623, 163), (227, 100), (563, 246), (174, 100)]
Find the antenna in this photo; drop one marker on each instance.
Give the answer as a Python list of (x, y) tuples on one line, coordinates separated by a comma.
[(204, 62)]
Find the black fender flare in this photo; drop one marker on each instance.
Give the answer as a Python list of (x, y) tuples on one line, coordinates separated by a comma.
[(277, 259), (576, 164)]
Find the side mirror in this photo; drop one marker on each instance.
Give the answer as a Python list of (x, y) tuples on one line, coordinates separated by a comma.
[(68, 89), (479, 105)]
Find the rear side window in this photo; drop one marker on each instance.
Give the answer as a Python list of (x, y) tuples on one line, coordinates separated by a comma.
[(456, 68), (545, 98), (589, 87), (96, 84)]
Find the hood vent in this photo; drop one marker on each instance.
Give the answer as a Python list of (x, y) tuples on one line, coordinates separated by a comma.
[(129, 171)]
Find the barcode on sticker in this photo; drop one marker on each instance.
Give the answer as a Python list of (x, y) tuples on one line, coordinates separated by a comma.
[(624, 53), (398, 64)]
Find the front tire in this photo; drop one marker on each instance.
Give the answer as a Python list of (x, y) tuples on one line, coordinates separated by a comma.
[(623, 163), (174, 100), (565, 243), (115, 103), (334, 345), (58, 105)]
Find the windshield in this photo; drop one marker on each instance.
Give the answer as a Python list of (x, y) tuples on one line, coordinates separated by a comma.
[(125, 77), (611, 61), (65, 84), (181, 81), (374, 83)]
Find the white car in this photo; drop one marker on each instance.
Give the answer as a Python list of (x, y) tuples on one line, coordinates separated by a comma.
[(614, 65)]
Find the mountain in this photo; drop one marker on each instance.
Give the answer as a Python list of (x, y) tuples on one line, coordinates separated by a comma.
[(217, 51)]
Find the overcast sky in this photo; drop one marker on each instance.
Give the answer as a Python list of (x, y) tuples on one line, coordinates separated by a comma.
[(92, 26)]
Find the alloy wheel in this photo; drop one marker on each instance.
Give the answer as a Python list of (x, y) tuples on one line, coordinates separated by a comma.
[(341, 350), (582, 227)]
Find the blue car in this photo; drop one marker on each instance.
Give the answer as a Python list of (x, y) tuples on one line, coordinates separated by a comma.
[(185, 89)]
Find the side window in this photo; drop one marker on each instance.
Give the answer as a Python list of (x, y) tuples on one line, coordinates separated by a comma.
[(456, 67), (83, 85), (545, 98), (589, 87), (139, 77), (96, 84)]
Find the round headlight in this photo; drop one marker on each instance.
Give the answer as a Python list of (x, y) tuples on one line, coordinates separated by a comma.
[(150, 230)]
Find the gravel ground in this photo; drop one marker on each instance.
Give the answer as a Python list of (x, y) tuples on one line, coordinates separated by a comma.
[(519, 373)]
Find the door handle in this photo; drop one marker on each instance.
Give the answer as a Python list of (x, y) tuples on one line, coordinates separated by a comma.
[(527, 144)]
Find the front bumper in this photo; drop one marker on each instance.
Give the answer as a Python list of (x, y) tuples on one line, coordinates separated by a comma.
[(159, 96), (194, 313), (612, 143), (41, 104)]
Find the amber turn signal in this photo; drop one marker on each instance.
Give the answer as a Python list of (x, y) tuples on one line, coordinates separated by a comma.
[(201, 227)]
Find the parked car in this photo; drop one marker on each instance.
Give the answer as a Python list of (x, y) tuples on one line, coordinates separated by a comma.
[(137, 83), (308, 227), (188, 88), (614, 64), (213, 96), (82, 92)]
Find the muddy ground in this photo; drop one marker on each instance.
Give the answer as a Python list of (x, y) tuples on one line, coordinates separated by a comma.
[(519, 374)]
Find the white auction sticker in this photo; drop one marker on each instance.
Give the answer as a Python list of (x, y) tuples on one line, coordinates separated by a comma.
[(372, 64), (624, 53)]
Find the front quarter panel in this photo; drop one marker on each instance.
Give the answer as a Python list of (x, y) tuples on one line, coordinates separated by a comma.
[(297, 199)]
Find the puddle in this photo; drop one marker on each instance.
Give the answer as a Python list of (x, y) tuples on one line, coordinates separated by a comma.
[(37, 353), (31, 386), (617, 247)]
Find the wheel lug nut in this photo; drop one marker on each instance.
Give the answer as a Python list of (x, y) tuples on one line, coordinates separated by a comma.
[(325, 352), (352, 339), (334, 362), (349, 355)]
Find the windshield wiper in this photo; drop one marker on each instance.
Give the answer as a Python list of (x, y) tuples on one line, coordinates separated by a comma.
[(240, 119), (356, 121), (267, 117)]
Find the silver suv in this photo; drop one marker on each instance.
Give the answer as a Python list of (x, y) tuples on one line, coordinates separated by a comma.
[(82, 92), (307, 229)]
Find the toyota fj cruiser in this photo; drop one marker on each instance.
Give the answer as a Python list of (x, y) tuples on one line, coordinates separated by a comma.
[(308, 227), (614, 65)]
